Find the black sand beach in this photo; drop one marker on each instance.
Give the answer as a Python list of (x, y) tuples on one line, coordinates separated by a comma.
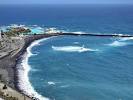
[(8, 62)]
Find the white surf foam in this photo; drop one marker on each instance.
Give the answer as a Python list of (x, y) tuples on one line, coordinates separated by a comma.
[(16, 25), (72, 49), (34, 70), (65, 86), (118, 43), (121, 42), (79, 32), (75, 42), (35, 54), (126, 39), (53, 30), (51, 83), (23, 70)]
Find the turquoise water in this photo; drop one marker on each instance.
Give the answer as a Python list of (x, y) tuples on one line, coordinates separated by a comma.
[(77, 68), (83, 68)]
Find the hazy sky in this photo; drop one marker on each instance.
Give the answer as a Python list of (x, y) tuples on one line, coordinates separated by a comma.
[(66, 1)]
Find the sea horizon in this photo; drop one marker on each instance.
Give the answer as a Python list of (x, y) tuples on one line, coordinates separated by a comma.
[(75, 67)]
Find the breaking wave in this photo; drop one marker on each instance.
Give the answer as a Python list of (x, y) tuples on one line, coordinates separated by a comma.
[(126, 39), (72, 49), (80, 32), (51, 83), (23, 69), (117, 43), (121, 42)]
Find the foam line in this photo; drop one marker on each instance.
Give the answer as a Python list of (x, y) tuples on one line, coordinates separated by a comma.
[(72, 49), (23, 70), (117, 44)]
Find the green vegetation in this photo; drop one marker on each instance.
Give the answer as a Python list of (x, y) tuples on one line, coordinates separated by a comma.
[(17, 31)]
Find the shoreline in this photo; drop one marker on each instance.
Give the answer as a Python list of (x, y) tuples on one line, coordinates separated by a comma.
[(28, 41), (20, 57), (9, 62), (23, 69)]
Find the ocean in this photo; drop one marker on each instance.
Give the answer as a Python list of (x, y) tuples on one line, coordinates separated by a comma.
[(76, 67)]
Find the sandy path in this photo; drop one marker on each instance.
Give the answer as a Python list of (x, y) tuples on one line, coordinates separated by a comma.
[(12, 92)]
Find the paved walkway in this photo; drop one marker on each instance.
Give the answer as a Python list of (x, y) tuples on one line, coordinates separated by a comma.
[(1, 99), (9, 92)]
